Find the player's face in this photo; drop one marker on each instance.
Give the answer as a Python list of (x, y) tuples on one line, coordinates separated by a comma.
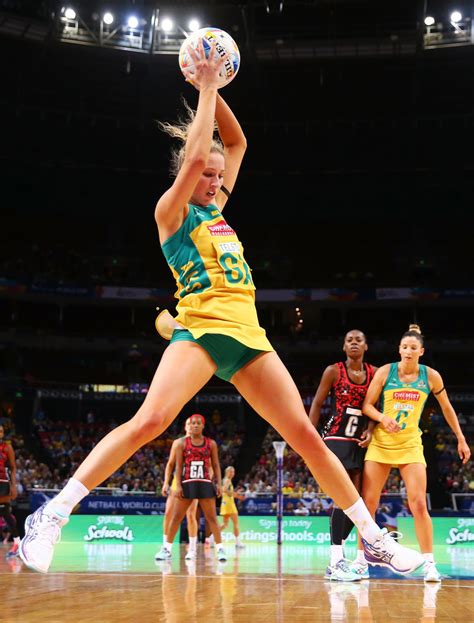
[(210, 181), (187, 427), (410, 349), (195, 425), (355, 344), (231, 472)]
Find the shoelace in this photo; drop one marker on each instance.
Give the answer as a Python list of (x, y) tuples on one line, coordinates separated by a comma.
[(394, 536), (344, 565), (52, 525)]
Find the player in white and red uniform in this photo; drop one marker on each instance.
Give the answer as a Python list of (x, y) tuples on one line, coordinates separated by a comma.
[(195, 455)]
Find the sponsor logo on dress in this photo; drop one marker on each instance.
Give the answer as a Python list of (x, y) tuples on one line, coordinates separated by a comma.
[(406, 395), (229, 247), (221, 229), (403, 406)]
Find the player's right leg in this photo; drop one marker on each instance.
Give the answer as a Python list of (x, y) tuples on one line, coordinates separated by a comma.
[(179, 509), (192, 524), (208, 506), (184, 368)]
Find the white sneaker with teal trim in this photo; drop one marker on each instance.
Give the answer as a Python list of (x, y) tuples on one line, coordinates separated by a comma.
[(361, 569), (42, 532), (163, 554), (221, 555), (341, 572), (387, 552), (191, 555), (431, 573)]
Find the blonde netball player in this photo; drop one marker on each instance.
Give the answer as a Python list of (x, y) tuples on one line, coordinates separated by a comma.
[(168, 491), (396, 441), (216, 332), (228, 509)]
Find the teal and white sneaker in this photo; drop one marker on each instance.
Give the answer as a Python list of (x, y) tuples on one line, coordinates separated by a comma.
[(190, 555), (341, 572), (42, 532), (221, 555), (361, 569), (163, 554), (431, 573)]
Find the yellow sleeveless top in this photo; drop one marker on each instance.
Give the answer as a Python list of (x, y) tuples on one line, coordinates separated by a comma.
[(215, 290), (403, 402)]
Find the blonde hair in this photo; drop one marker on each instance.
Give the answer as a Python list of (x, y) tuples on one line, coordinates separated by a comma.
[(414, 330), (180, 131), (227, 469)]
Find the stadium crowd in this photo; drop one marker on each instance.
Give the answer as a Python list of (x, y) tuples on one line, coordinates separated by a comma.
[(58, 446)]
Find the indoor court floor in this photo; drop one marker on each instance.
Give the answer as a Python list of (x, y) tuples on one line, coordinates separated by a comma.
[(101, 583)]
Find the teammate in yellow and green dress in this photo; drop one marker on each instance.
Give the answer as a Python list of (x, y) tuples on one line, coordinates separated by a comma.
[(404, 387)]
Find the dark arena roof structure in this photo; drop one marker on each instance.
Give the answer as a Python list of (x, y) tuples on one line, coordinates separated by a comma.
[(359, 171)]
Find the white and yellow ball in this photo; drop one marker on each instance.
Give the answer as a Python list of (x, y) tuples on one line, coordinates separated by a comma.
[(226, 47)]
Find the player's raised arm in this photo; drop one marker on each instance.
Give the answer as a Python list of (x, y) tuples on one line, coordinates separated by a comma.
[(235, 144), (170, 209)]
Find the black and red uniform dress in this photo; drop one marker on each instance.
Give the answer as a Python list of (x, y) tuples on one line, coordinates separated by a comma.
[(196, 476), (4, 471), (343, 428)]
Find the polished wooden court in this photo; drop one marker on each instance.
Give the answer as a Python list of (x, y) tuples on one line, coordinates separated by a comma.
[(256, 585)]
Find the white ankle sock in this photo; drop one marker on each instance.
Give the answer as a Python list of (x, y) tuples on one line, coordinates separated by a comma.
[(361, 518), (168, 546), (336, 554), (165, 539), (193, 543), (66, 500), (429, 557), (360, 556)]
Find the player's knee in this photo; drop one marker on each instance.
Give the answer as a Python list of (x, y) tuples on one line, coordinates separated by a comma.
[(303, 438), (151, 422), (418, 505)]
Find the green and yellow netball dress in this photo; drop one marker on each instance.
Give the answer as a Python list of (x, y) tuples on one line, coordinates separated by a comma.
[(215, 290), (404, 403), (228, 506)]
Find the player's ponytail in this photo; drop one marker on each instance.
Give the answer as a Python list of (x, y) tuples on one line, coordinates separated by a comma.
[(180, 131)]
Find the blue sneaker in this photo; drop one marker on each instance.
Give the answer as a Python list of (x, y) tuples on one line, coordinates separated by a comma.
[(341, 572), (386, 552)]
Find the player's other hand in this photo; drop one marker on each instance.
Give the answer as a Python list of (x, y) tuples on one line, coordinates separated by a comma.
[(365, 438), (390, 425), (165, 489), (464, 451)]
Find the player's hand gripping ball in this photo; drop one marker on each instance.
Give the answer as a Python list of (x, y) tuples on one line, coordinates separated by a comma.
[(226, 48)]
